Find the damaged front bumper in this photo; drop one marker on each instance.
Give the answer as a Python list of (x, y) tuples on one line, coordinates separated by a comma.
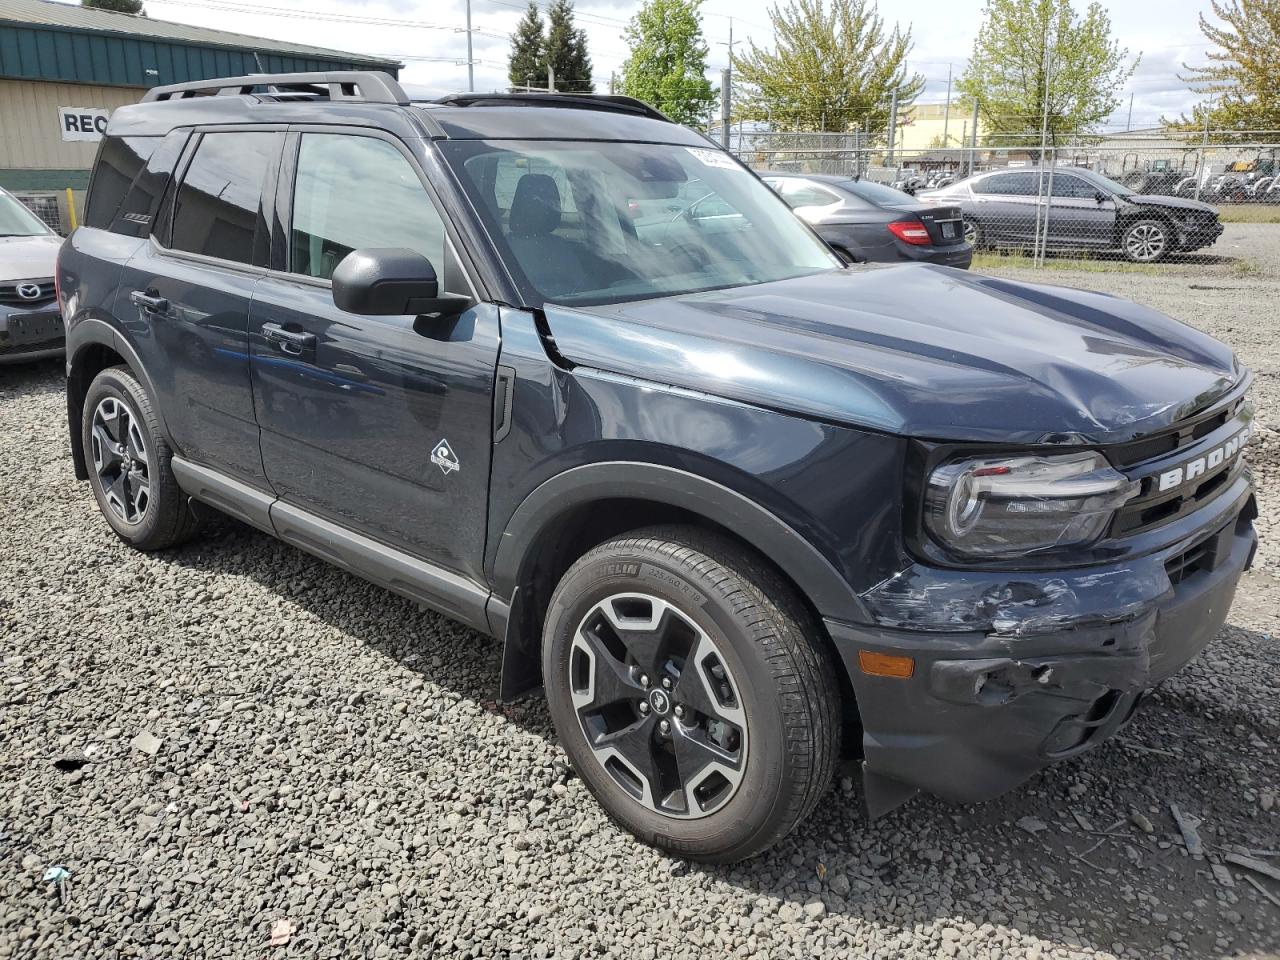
[(1014, 671)]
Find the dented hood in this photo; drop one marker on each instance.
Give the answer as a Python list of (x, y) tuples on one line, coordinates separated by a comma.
[(917, 350)]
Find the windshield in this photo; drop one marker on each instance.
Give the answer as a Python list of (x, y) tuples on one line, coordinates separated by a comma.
[(17, 221), (879, 193), (589, 223)]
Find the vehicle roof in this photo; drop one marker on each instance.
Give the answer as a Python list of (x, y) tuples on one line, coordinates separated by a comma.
[(495, 120)]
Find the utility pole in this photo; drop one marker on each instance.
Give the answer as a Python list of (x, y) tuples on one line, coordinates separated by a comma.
[(726, 92), (946, 111), (1128, 124), (471, 64), (726, 102), (551, 79), (973, 153), (893, 125), (613, 82)]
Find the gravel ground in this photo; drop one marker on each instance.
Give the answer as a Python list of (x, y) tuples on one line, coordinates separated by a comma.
[(272, 740)]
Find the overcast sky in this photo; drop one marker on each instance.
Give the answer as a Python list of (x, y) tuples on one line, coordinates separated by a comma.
[(427, 35)]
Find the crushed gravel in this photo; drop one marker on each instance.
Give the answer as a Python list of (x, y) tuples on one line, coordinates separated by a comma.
[(232, 745)]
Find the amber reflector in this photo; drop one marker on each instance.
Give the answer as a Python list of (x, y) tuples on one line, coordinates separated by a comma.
[(884, 665)]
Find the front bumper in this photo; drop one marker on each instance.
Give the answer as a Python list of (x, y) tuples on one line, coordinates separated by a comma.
[(1061, 665), (1199, 235), (31, 333)]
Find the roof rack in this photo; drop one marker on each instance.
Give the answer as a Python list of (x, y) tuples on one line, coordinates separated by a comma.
[(371, 86), (574, 101)]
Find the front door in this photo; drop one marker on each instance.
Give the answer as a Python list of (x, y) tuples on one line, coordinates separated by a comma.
[(382, 425), (1077, 217)]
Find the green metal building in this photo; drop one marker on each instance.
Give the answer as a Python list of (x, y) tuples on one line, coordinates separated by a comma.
[(64, 68)]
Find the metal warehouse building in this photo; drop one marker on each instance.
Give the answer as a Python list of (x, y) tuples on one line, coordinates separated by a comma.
[(64, 68)]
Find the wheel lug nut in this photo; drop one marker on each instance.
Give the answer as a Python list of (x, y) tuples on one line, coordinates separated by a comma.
[(644, 679), (664, 726), (678, 711), (644, 706), (666, 683)]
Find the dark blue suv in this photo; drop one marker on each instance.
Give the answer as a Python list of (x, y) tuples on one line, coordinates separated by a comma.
[(569, 374)]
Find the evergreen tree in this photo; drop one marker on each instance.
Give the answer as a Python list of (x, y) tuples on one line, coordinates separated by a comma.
[(668, 63), (525, 65), (119, 6), (566, 50)]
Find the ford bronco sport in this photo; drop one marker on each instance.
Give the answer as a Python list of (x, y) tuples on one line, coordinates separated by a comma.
[(742, 512)]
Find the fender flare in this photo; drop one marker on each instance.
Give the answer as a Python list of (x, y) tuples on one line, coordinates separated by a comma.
[(812, 572), (94, 332)]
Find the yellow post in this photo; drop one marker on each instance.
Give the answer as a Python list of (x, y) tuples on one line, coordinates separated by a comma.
[(71, 207)]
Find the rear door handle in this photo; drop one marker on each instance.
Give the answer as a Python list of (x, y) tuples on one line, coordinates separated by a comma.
[(294, 343), (149, 302)]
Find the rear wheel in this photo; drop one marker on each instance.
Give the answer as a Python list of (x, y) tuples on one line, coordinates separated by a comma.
[(689, 687), (128, 461), (972, 232), (1146, 241)]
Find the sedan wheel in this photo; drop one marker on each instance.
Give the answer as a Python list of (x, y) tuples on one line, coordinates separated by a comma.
[(1145, 241), (972, 233)]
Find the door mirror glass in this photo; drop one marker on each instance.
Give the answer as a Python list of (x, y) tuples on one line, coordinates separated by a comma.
[(391, 281), (1101, 197)]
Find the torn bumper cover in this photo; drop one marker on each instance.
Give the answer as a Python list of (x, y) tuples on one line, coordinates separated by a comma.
[(1010, 675)]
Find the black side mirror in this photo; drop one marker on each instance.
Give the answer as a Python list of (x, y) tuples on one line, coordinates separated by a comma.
[(391, 281), (1101, 197)]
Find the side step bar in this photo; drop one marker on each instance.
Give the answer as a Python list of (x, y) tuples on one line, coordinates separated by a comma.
[(442, 590)]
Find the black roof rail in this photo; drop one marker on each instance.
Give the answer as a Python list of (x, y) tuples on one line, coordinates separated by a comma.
[(362, 86), (574, 101)]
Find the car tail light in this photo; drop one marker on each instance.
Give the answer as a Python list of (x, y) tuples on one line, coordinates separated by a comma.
[(910, 231)]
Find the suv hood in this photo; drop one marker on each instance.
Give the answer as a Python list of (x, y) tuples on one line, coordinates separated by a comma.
[(917, 350), (28, 258)]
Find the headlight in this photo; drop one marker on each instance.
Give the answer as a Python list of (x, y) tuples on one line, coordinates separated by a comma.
[(992, 508)]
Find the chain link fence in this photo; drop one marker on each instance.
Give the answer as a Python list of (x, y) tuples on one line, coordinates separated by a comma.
[(1148, 201)]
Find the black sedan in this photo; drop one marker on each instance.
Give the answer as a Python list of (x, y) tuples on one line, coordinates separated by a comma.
[(1083, 211), (869, 222)]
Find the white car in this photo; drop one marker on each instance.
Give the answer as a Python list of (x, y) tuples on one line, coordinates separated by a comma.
[(30, 322)]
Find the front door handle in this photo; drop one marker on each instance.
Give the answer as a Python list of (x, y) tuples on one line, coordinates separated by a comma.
[(149, 301), (294, 343)]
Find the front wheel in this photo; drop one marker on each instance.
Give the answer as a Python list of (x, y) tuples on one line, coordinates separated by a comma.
[(1145, 241), (690, 688)]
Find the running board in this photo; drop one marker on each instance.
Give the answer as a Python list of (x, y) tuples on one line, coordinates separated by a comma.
[(442, 590)]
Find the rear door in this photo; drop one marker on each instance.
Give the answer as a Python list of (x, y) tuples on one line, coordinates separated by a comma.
[(1007, 205), (382, 425), (184, 296)]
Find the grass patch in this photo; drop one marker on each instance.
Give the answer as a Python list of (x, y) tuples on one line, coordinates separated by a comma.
[(1250, 213), (991, 260)]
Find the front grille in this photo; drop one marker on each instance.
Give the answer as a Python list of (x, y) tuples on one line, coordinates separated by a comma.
[(1191, 561), (10, 297), (1175, 438)]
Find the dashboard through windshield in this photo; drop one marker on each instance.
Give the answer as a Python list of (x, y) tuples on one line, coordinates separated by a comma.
[(587, 223)]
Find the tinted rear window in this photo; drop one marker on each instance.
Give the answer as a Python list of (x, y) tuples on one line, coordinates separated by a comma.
[(218, 209), (120, 160)]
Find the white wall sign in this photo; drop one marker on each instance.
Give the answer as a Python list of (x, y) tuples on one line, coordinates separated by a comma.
[(82, 123)]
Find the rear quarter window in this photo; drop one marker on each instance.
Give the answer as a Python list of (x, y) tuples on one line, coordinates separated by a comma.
[(120, 160)]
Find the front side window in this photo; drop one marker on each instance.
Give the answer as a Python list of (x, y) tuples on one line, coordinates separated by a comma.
[(218, 208), (352, 192), (1073, 188), (591, 223), (801, 193)]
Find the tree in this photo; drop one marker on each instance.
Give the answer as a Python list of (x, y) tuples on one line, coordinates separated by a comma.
[(1242, 80), (668, 63), (525, 65), (119, 6), (566, 50), (831, 69), (1019, 42)]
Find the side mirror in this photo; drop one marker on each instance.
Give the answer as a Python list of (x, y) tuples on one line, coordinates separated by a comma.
[(391, 282), (1101, 197)]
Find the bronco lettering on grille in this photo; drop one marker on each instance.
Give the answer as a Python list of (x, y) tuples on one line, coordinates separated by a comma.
[(1192, 469)]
